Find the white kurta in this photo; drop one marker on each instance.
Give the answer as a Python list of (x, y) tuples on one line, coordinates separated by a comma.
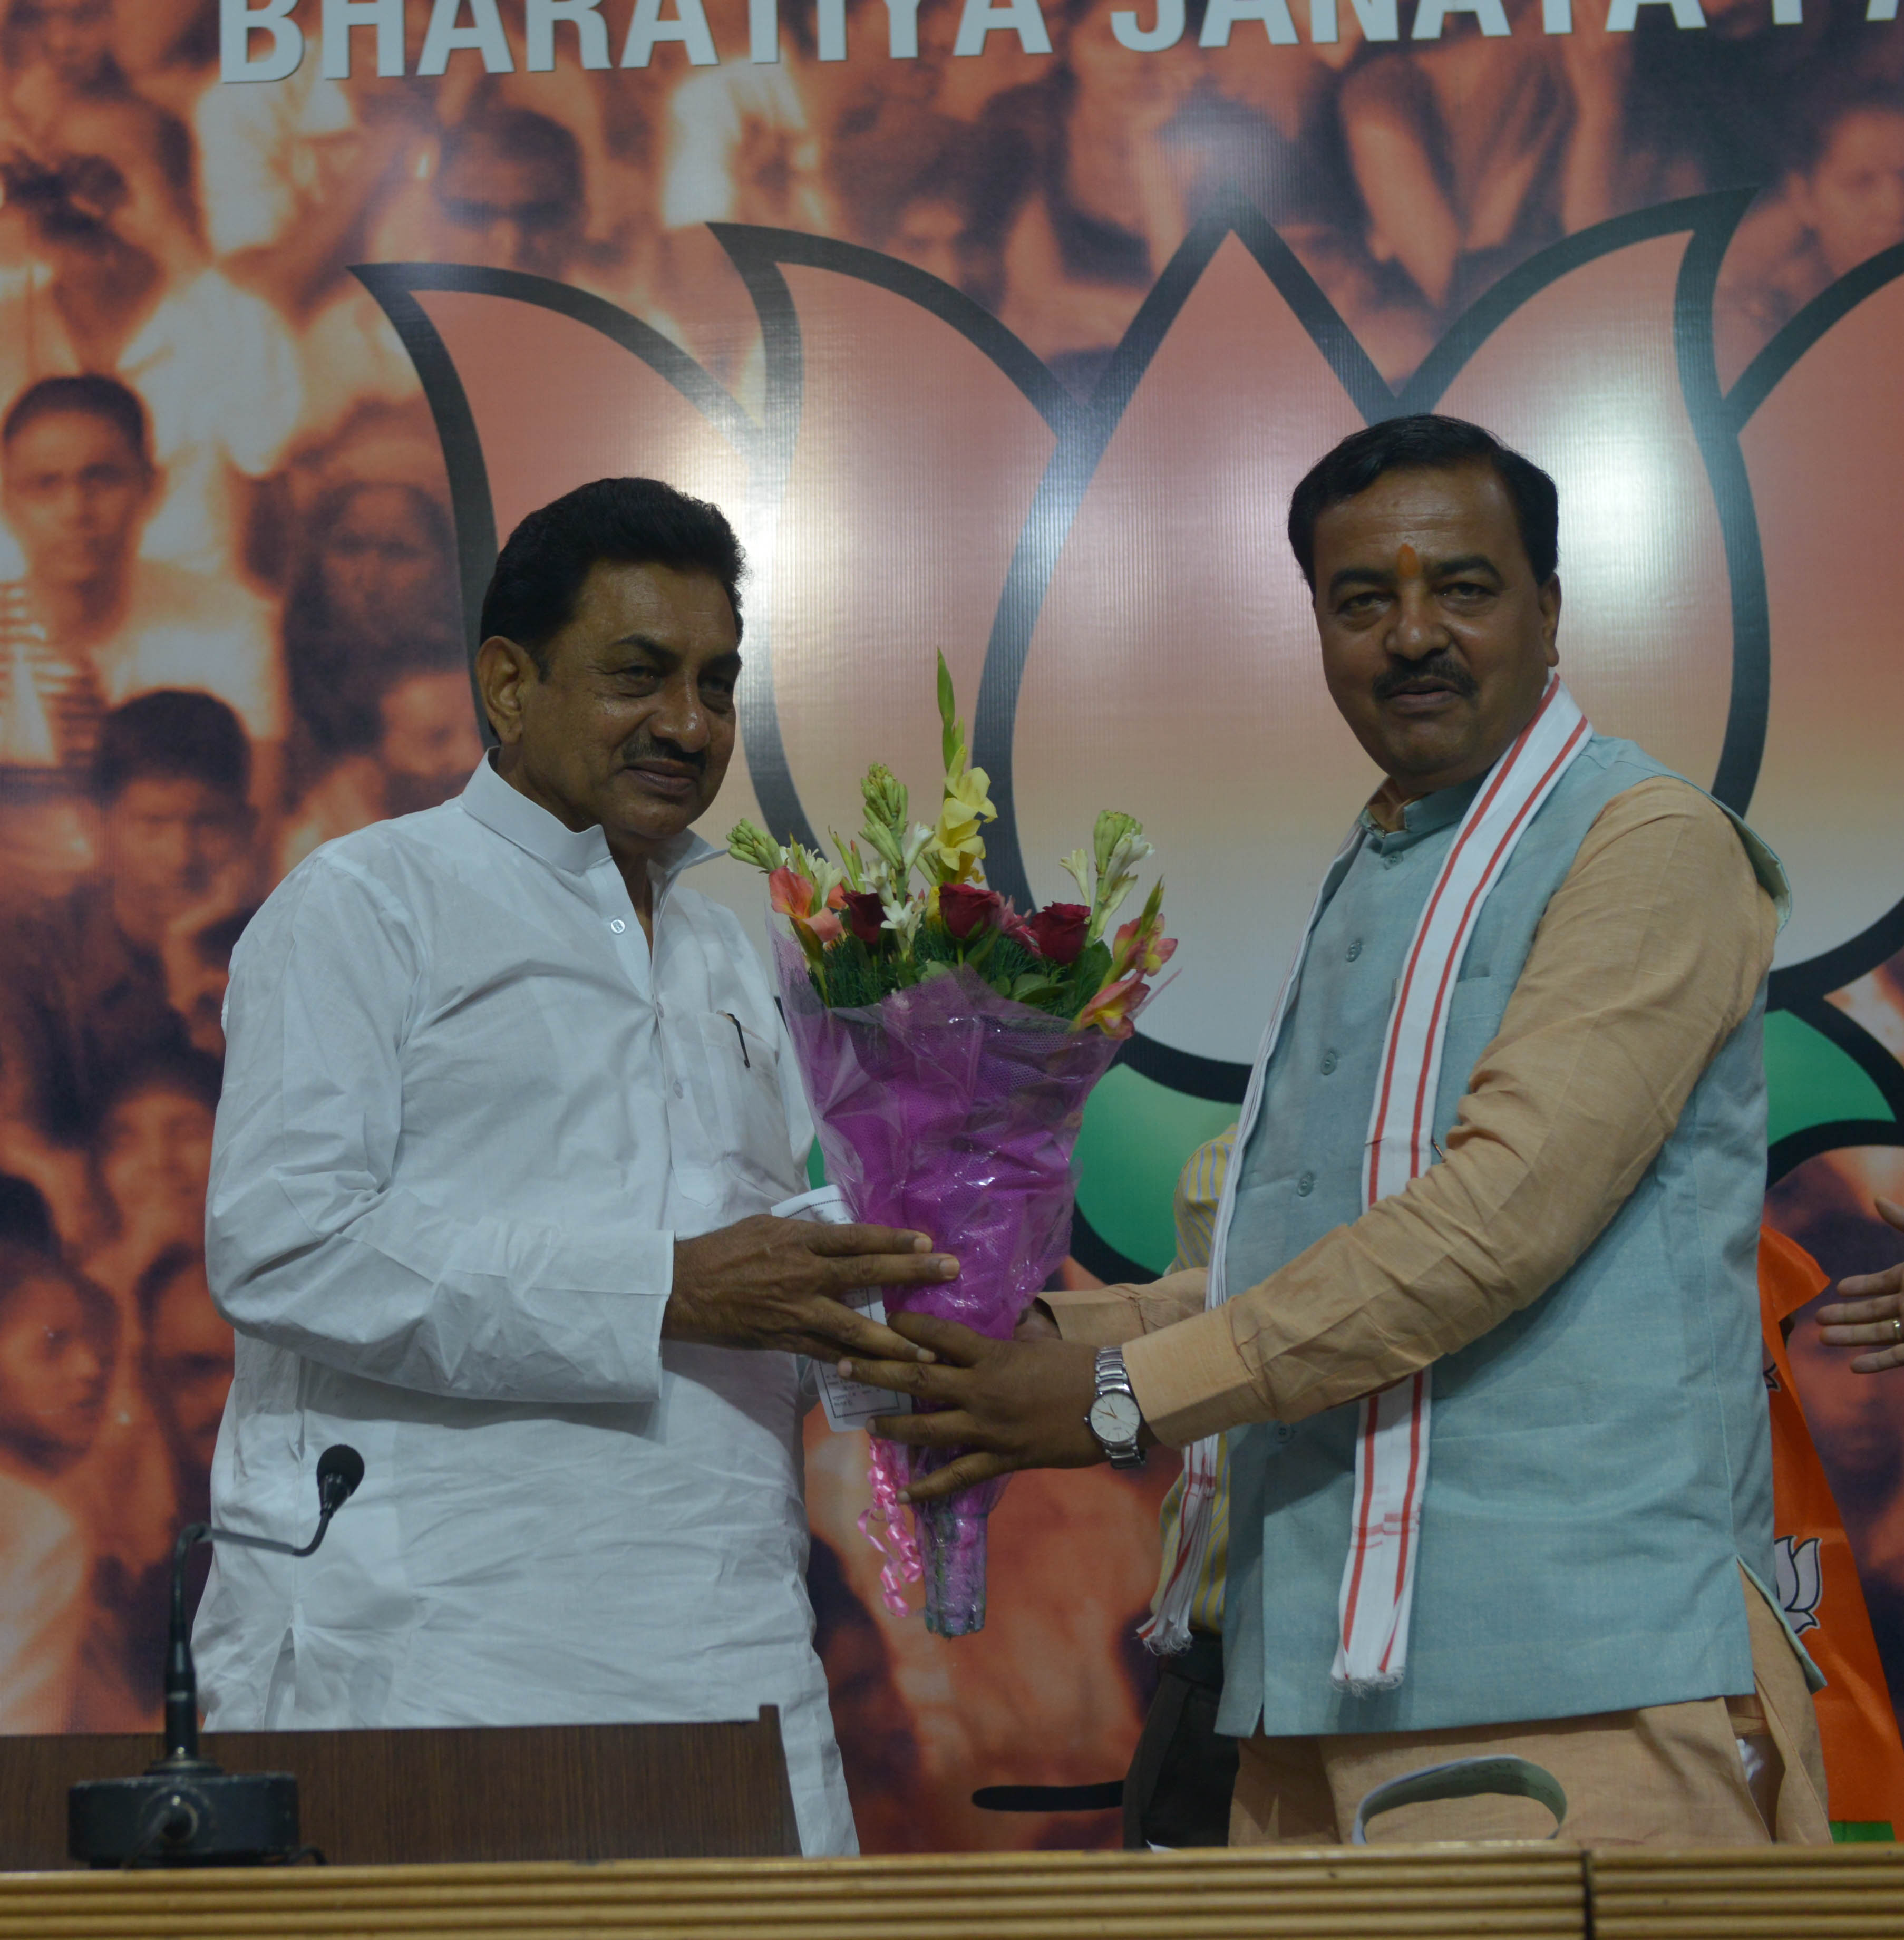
[(465, 1115)]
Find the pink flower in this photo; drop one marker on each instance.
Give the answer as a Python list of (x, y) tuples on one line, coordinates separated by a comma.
[(1015, 926), (1145, 951), (792, 895), (1111, 1009)]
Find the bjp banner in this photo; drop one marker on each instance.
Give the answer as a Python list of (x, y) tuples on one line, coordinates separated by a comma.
[(1818, 1584), (1002, 329)]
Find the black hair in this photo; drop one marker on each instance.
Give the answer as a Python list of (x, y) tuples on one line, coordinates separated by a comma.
[(540, 573), (176, 734), (79, 197), (23, 18), (522, 135), (1827, 108), (337, 672), (1426, 442), (25, 1219), (91, 395), (176, 1259), (190, 1073), (22, 1265)]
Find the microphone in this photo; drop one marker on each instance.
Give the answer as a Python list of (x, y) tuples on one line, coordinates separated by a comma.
[(340, 1468), (186, 1810)]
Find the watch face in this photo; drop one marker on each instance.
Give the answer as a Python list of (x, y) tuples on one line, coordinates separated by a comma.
[(1115, 1418)]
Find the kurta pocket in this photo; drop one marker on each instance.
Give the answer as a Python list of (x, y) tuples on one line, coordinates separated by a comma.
[(741, 1106)]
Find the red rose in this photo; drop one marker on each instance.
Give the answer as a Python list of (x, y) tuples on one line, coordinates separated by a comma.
[(966, 909), (1058, 930), (865, 916)]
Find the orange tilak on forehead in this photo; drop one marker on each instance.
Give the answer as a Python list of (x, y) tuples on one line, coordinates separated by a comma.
[(1407, 563)]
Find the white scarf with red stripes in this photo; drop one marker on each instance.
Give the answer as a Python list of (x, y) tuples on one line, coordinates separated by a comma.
[(1391, 1459)]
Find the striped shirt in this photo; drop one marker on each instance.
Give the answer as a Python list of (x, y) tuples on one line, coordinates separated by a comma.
[(1199, 1191), (51, 705)]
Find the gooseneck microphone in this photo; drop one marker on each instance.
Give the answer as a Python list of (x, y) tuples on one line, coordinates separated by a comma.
[(340, 1468), (186, 1811)]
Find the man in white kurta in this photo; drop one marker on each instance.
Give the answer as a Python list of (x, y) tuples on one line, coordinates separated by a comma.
[(473, 1120)]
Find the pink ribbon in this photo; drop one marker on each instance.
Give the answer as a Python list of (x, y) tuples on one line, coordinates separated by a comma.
[(888, 1527)]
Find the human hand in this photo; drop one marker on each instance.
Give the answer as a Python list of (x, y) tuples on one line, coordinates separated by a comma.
[(1869, 1312), (782, 1283), (1012, 1403)]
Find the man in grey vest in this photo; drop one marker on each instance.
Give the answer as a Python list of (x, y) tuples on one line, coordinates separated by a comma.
[(1481, 1323)]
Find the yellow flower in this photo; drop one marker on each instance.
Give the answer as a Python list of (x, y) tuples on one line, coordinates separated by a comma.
[(956, 848), (966, 804)]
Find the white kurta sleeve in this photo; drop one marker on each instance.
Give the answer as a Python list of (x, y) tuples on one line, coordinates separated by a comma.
[(310, 1243)]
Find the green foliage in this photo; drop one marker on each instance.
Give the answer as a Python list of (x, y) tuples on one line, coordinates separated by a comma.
[(850, 975), (951, 740), (1009, 960), (854, 976), (935, 944), (1024, 976), (1092, 967), (850, 861)]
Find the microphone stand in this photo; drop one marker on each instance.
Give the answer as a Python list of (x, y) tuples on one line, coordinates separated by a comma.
[(187, 1810)]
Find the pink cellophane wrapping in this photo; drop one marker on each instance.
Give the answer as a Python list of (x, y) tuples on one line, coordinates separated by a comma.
[(952, 1111)]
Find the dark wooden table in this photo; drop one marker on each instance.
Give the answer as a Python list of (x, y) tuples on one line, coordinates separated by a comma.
[(551, 1792)]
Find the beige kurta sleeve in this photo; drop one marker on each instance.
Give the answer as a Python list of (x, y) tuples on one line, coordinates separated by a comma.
[(1107, 1317), (1648, 956)]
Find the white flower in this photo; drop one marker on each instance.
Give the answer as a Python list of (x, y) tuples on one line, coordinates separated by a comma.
[(903, 918)]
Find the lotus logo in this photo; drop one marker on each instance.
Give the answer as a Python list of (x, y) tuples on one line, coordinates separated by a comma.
[(1106, 574), (1800, 1583)]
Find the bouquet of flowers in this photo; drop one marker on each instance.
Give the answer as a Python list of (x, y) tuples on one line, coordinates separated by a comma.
[(947, 1042)]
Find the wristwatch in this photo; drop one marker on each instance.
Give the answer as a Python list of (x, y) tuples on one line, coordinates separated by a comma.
[(1115, 1418)]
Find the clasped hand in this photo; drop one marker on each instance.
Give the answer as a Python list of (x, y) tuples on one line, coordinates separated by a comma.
[(784, 1283), (1868, 1310), (1017, 1404)]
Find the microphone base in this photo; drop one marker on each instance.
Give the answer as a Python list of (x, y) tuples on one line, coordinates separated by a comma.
[(184, 1812)]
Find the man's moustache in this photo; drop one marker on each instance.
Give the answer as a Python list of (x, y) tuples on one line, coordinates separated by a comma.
[(1456, 679), (638, 752)]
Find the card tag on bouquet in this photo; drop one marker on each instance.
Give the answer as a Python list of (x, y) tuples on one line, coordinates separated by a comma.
[(849, 1405)]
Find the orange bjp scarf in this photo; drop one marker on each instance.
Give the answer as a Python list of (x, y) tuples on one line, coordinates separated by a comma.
[(1818, 1578)]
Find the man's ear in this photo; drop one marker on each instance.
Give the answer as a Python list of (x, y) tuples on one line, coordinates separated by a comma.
[(1550, 613), (505, 672)]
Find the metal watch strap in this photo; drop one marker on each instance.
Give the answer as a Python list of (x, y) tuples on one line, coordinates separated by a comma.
[(1112, 1378)]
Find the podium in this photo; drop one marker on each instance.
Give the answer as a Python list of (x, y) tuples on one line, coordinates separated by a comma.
[(1541, 1891), (587, 1792)]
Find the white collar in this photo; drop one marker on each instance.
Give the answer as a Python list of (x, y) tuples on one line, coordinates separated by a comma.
[(491, 800)]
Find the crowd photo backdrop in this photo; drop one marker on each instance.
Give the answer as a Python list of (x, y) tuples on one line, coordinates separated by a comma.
[(1002, 329)]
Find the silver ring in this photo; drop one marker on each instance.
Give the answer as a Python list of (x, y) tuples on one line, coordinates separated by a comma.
[(1897, 1328)]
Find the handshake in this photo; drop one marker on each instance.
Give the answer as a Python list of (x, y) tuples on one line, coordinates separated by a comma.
[(788, 1284)]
